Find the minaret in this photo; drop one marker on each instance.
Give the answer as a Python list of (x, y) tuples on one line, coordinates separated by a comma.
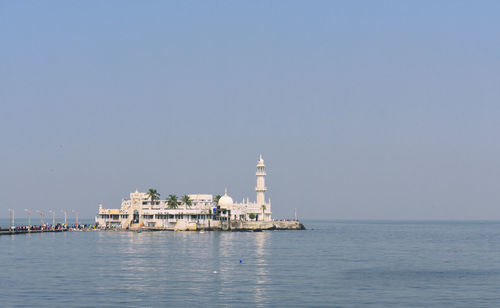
[(261, 182)]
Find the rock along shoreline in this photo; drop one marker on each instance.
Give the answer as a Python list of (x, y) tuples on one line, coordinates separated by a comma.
[(238, 226)]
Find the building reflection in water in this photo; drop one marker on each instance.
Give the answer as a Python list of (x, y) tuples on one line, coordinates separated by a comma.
[(262, 277), (173, 265), (234, 281)]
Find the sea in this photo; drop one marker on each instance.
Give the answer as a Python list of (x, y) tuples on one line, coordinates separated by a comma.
[(331, 264)]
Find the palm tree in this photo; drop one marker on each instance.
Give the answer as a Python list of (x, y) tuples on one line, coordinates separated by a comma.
[(153, 195), (263, 208), (216, 199), (186, 200), (172, 201)]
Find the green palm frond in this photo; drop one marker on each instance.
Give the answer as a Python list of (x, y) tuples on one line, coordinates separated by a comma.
[(172, 201), (153, 195), (186, 200), (217, 198)]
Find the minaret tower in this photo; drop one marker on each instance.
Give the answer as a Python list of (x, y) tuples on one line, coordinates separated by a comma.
[(261, 182)]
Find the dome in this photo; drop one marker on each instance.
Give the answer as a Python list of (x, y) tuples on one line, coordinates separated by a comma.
[(225, 200)]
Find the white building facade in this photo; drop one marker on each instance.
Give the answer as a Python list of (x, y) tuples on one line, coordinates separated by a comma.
[(140, 211)]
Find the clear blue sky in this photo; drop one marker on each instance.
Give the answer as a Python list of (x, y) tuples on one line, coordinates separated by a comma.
[(362, 109)]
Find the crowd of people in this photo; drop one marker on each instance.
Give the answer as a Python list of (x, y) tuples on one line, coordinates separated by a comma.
[(47, 227)]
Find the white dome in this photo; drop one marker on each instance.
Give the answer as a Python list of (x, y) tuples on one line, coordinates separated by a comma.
[(225, 200)]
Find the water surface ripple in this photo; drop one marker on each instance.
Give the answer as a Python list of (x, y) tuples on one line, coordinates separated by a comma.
[(333, 264)]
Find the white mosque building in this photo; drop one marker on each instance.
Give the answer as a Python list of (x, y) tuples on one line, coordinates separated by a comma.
[(140, 211)]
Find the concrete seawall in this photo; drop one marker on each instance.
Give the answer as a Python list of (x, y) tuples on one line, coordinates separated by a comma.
[(232, 226)]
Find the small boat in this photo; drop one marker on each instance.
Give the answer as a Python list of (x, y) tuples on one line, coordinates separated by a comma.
[(139, 230)]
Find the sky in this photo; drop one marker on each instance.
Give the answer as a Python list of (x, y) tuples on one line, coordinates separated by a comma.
[(361, 109)]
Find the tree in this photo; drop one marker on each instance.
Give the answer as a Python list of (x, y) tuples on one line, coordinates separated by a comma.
[(172, 202), (252, 216), (187, 201), (263, 208), (153, 195), (217, 198)]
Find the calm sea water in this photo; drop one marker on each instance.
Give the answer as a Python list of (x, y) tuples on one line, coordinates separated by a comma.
[(333, 263)]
